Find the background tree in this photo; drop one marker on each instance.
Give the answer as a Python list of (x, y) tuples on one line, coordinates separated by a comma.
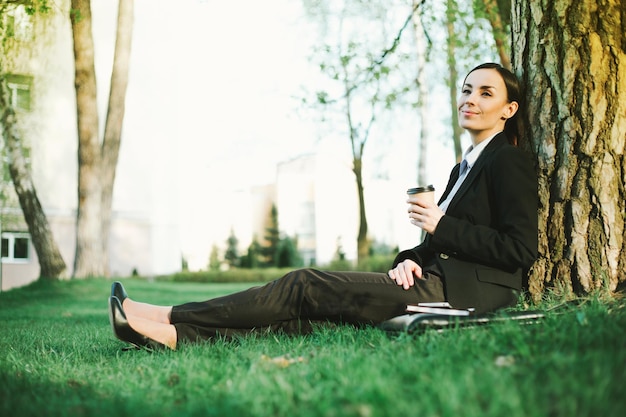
[(231, 256), (251, 258), (451, 59), (287, 255), (571, 57), (358, 67), (214, 259), (422, 49), (51, 262), (97, 159), (269, 250), (498, 12)]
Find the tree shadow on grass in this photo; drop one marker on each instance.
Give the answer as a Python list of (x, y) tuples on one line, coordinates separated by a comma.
[(24, 394)]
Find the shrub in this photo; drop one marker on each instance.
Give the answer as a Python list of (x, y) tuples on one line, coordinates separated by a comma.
[(376, 263), (231, 275)]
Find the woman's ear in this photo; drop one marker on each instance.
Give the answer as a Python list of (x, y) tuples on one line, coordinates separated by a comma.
[(510, 110)]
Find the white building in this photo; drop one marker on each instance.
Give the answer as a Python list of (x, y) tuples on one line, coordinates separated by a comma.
[(145, 231), (317, 202)]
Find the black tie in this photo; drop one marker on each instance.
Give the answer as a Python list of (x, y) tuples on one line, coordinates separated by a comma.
[(463, 168)]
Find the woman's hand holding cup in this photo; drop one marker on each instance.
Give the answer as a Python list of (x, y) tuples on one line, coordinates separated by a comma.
[(423, 212)]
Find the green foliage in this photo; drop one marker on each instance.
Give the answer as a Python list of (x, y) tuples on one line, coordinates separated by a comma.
[(184, 264), (252, 258), (232, 256), (37, 6), (76, 15), (503, 9), (269, 251), (287, 253), (278, 251), (340, 265), (322, 97), (8, 10), (214, 261), (60, 358)]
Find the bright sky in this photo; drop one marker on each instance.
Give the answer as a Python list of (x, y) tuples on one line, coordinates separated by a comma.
[(250, 60), (232, 72)]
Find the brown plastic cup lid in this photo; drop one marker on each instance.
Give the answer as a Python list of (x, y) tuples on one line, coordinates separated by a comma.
[(424, 189)]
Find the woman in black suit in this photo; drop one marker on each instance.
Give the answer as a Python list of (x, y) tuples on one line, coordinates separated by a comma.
[(481, 237)]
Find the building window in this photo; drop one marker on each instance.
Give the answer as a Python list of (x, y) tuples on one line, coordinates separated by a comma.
[(15, 247), (20, 90), (19, 23)]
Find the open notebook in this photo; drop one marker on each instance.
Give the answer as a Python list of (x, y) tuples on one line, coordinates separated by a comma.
[(442, 308), (417, 322)]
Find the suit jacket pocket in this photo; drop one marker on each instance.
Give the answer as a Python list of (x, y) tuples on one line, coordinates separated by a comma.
[(499, 277)]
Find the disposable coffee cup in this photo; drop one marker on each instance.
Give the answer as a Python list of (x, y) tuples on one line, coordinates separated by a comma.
[(425, 194)]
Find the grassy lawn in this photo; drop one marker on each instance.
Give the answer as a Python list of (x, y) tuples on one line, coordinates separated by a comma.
[(58, 357)]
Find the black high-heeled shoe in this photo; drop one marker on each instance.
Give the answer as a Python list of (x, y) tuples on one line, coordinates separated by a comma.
[(124, 332), (117, 290)]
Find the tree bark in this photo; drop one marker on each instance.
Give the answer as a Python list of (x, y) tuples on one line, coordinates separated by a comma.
[(51, 263), (571, 58), (97, 161), (88, 260)]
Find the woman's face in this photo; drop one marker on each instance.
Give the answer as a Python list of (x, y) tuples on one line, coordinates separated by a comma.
[(483, 106)]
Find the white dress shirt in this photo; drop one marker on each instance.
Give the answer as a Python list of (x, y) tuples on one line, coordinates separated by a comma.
[(469, 159)]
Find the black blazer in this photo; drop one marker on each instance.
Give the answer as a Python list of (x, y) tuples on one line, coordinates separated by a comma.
[(488, 237)]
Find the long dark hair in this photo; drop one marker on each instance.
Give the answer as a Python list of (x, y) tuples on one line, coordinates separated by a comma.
[(513, 128)]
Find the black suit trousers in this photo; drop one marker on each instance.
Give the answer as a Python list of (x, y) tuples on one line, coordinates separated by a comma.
[(293, 303)]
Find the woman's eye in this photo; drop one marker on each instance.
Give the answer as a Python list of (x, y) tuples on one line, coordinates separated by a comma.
[(465, 91), (487, 94)]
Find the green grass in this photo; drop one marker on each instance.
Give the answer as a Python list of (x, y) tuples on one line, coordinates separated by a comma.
[(58, 357)]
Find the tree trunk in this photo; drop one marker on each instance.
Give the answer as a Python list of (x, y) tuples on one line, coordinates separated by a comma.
[(357, 143), (115, 119), (363, 244), (97, 162), (422, 88), (88, 260), (499, 33), (51, 262), (571, 57), (451, 11)]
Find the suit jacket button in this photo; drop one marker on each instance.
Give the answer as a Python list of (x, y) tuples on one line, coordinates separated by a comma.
[(443, 256)]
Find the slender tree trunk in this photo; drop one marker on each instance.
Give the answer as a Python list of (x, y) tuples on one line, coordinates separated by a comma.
[(363, 244), (88, 260), (357, 142), (499, 33), (451, 11), (571, 56), (422, 88), (115, 118), (51, 262)]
